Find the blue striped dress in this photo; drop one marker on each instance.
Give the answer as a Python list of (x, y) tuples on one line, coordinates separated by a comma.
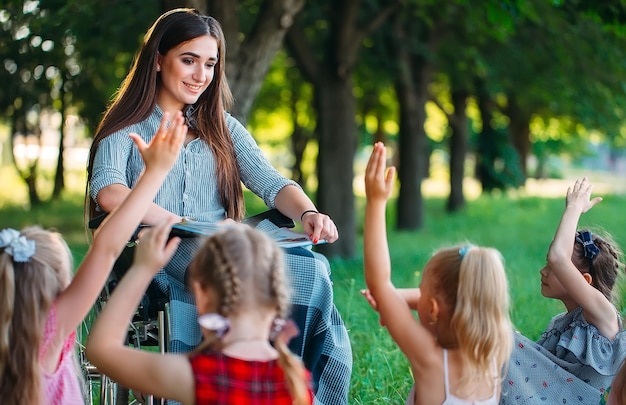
[(190, 190)]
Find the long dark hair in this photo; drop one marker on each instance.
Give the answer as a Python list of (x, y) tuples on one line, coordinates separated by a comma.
[(136, 98)]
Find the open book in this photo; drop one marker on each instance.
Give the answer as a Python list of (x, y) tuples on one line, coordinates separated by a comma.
[(284, 237)]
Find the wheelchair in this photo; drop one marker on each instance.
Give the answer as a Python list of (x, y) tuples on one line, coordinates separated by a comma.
[(149, 328)]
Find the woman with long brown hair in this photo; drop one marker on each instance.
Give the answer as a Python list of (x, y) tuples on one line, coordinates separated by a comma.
[(181, 67)]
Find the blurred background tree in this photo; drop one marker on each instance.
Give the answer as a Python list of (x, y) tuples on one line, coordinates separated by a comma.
[(490, 85)]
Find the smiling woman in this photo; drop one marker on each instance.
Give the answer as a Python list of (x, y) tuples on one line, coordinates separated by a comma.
[(180, 67), (186, 72)]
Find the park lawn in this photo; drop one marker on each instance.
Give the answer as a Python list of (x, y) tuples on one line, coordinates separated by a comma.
[(520, 227)]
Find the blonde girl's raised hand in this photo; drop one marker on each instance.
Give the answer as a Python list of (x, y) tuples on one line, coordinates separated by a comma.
[(378, 178), (164, 147), (74, 303), (391, 305)]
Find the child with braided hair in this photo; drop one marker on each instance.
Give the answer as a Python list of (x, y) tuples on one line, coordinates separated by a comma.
[(240, 289), (582, 349)]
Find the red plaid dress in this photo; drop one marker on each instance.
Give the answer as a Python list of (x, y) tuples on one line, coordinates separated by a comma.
[(223, 380)]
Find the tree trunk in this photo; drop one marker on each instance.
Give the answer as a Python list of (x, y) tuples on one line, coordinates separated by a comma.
[(520, 132), (411, 150), (337, 143), (59, 180), (248, 62), (486, 147), (332, 79), (18, 125), (412, 92), (299, 141), (458, 149)]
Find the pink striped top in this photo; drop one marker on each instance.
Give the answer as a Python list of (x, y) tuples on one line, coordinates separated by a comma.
[(62, 386)]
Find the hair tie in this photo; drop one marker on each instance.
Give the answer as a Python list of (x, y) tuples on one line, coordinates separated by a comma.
[(306, 212), (216, 323), (590, 250), (283, 330), (17, 246), (463, 251)]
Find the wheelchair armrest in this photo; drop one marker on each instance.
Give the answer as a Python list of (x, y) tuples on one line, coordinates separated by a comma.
[(276, 217), (95, 223)]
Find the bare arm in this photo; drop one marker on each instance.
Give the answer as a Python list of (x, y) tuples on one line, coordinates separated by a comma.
[(409, 295), (74, 303), (597, 309), (397, 315), (293, 202), (168, 376), (111, 197)]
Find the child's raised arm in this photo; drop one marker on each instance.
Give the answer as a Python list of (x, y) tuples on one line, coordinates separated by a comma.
[(598, 310), (392, 307), (168, 376), (159, 156)]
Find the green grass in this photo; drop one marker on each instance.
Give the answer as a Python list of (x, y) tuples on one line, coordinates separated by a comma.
[(520, 227)]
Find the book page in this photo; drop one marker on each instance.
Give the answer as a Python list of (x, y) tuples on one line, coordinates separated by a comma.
[(284, 237)]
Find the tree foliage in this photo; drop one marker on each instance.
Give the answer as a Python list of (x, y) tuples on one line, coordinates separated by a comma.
[(543, 75)]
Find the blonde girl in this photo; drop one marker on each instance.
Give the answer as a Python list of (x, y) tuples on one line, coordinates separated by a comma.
[(239, 286), (41, 304), (460, 346)]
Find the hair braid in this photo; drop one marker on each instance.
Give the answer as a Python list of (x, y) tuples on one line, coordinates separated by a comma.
[(607, 265), (279, 286), (229, 290)]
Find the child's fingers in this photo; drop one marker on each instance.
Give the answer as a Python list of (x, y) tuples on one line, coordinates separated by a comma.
[(374, 161), (391, 174), (370, 299), (163, 126), (141, 144), (170, 247), (178, 131), (595, 201), (162, 231)]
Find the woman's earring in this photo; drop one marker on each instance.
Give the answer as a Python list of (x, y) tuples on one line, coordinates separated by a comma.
[(158, 68), (433, 321)]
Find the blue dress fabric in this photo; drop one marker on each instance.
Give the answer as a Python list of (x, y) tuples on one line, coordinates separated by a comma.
[(190, 190), (572, 363)]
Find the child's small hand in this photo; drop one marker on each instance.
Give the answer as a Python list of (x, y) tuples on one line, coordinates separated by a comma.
[(580, 195), (153, 249), (372, 301), (378, 179), (164, 147)]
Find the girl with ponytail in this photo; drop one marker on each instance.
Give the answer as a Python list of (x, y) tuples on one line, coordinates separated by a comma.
[(460, 347)]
